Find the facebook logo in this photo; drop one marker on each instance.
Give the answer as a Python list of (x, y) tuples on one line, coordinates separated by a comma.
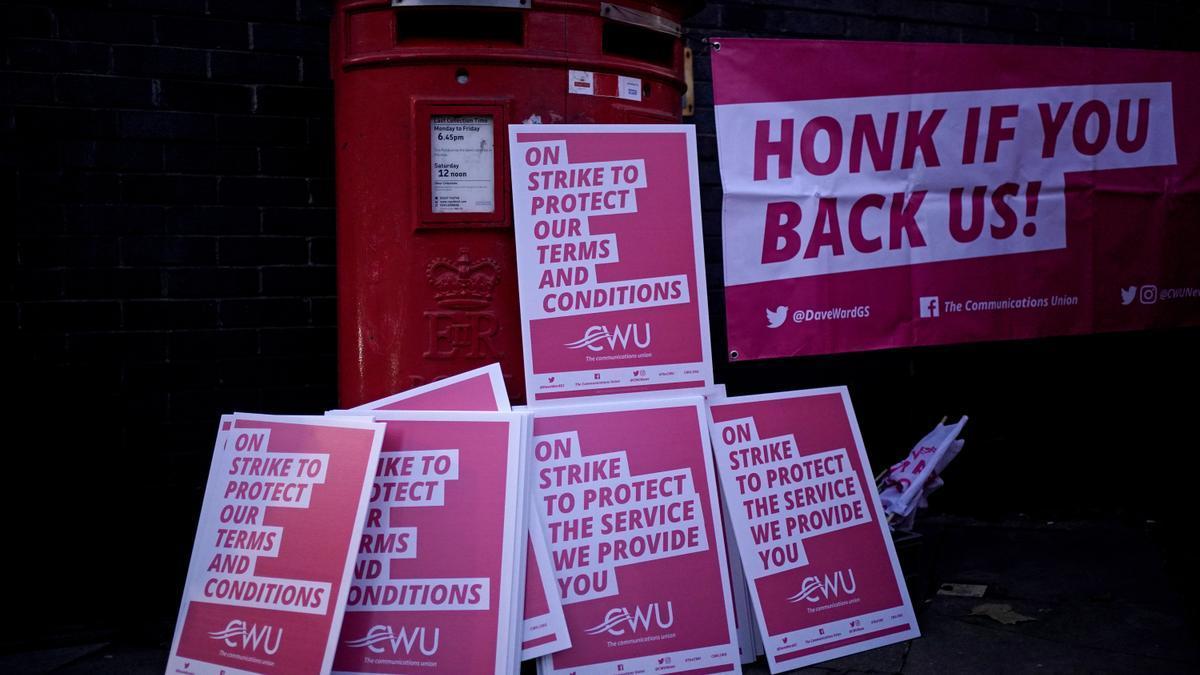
[(928, 305)]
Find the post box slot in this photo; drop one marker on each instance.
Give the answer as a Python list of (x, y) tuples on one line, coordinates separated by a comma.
[(640, 44), (421, 26)]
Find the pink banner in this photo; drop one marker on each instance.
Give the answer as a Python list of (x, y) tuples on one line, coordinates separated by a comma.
[(610, 260), (278, 532), (629, 500), (433, 588), (885, 195), (814, 543)]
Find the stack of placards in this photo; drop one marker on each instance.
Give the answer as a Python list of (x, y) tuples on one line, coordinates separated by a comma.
[(613, 308), (440, 531), (436, 583), (614, 311), (433, 570), (542, 629)]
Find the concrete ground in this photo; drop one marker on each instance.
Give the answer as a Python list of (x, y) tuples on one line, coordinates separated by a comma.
[(1061, 597)]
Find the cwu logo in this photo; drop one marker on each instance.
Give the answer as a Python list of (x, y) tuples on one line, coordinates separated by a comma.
[(826, 587), (601, 338), (618, 620), (249, 637), (380, 638)]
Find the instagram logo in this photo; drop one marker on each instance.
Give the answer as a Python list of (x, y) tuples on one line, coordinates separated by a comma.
[(1148, 295)]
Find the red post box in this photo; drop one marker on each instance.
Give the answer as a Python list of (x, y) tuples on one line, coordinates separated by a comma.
[(424, 92)]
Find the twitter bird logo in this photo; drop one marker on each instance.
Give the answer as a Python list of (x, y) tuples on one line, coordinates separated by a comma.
[(776, 317), (1128, 294)]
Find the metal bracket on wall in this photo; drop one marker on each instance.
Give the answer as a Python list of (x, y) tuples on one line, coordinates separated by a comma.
[(636, 17), (511, 4), (689, 81)]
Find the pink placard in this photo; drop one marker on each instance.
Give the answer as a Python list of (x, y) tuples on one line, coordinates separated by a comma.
[(545, 628), (433, 581), (629, 500), (814, 546), (545, 625), (610, 260), (270, 569), (478, 389), (883, 195), (743, 611)]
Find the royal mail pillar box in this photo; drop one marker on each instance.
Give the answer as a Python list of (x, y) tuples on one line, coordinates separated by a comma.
[(424, 91)]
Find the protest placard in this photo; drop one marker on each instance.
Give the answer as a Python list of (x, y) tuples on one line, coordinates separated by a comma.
[(814, 544), (479, 389), (951, 193), (482, 389), (433, 587), (629, 501), (545, 627), (270, 569), (610, 260), (743, 612), (743, 609)]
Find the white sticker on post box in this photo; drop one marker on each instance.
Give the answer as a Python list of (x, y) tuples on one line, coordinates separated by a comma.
[(629, 88), (464, 164), (581, 82)]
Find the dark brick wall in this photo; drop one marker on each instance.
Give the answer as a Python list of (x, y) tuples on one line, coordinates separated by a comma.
[(165, 176)]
